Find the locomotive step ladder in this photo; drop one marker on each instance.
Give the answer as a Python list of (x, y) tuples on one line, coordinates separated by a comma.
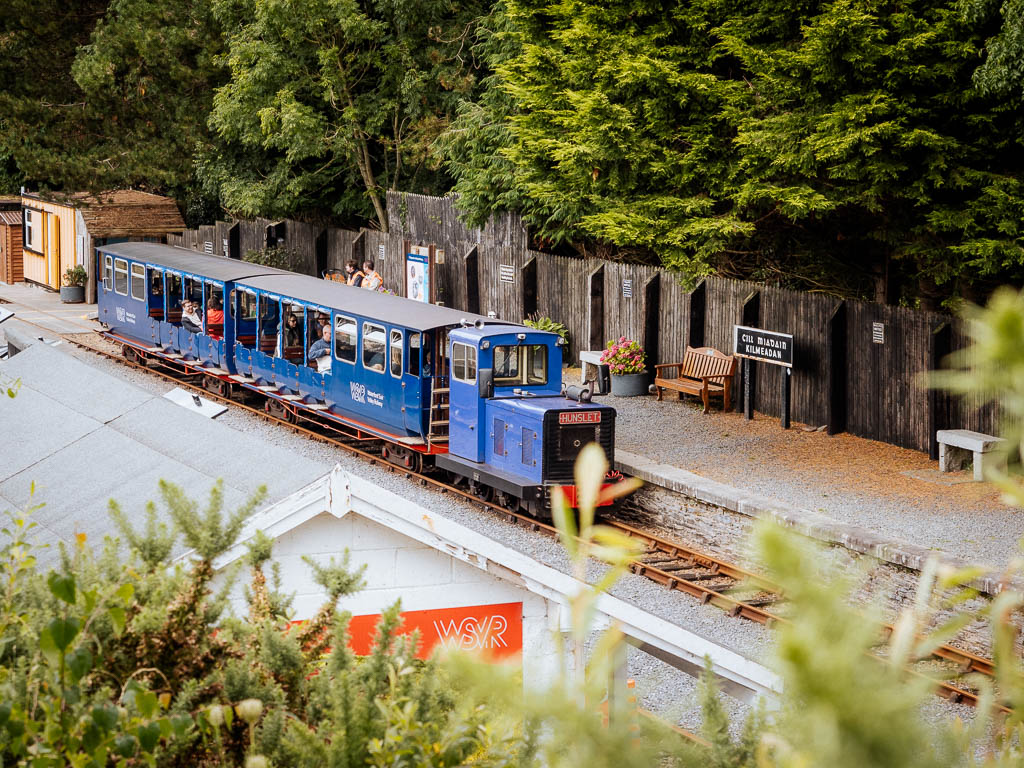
[(437, 429)]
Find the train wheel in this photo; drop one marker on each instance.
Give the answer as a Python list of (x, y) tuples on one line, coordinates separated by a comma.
[(131, 354), (403, 457), (217, 386), (278, 410)]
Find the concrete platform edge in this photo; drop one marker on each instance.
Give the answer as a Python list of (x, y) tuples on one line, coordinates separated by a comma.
[(811, 524)]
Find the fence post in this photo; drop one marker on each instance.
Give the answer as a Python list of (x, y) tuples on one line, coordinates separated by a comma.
[(835, 368), (695, 324), (750, 316), (595, 334), (652, 313), (939, 345)]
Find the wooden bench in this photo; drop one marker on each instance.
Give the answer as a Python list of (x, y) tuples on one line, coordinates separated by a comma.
[(704, 372), (955, 444)]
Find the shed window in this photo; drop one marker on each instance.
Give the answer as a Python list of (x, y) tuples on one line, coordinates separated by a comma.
[(396, 354), (373, 347), (464, 362), (108, 273), (121, 277), (345, 339), (138, 282), (31, 229)]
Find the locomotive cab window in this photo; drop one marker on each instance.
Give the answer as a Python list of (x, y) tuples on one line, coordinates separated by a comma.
[(138, 282), (345, 339), (121, 277), (373, 347), (108, 273), (521, 365), (464, 362)]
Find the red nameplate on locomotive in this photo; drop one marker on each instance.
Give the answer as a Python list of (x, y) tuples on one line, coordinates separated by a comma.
[(579, 417)]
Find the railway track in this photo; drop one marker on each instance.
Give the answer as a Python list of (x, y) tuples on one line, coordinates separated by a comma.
[(713, 581)]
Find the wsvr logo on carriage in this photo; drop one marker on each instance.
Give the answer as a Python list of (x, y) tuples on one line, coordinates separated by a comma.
[(124, 316)]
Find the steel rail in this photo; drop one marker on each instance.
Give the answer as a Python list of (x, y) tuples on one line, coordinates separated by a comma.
[(966, 661)]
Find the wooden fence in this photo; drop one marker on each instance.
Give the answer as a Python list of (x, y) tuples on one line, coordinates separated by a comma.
[(844, 375)]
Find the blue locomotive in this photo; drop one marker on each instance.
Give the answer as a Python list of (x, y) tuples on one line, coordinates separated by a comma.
[(475, 397)]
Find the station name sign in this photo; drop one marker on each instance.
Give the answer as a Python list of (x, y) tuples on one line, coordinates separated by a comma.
[(763, 346), (580, 417)]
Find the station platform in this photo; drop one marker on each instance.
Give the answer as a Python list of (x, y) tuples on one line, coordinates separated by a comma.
[(868, 496), (43, 307)]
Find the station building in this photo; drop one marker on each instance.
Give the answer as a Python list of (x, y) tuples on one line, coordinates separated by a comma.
[(62, 231)]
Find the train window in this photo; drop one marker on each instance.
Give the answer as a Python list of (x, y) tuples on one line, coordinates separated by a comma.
[(156, 282), (373, 347), (412, 364), (138, 282), (108, 273), (121, 277), (292, 332), (174, 296), (464, 362), (249, 304), (520, 365), (396, 354), (345, 339)]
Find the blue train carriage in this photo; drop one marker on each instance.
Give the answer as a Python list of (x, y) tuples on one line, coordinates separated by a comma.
[(372, 361), (144, 287), (512, 430)]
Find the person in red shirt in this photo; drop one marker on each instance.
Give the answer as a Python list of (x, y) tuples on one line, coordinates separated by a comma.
[(215, 319)]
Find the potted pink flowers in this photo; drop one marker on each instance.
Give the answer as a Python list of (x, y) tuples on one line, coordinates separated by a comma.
[(627, 363)]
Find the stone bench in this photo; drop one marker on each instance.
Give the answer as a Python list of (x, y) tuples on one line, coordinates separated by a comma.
[(592, 359), (955, 444)]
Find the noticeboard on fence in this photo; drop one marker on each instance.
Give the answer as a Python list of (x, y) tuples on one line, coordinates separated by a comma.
[(764, 346), (417, 273)]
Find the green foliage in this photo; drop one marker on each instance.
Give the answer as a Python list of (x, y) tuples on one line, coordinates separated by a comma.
[(208, 533), (824, 145), (544, 323), (329, 103), (277, 256)]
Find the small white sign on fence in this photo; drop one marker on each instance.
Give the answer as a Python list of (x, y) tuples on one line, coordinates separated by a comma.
[(380, 252), (627, 288), (878, 333), (507, 273)]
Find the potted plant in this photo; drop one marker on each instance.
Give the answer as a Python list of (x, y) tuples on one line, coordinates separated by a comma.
[(73, 290), (627, 364)]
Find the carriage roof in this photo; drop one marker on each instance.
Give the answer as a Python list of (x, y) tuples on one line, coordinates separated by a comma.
[(172, 257)]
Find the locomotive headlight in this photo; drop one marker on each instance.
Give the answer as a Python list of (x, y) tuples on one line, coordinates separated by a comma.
[(485, 344)]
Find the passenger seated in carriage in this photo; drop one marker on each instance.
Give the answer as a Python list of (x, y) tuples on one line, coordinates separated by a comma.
[(320, 351), (215, 319), (190, 319)]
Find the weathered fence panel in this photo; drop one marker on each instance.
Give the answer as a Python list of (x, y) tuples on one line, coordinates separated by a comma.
[(805, 316)]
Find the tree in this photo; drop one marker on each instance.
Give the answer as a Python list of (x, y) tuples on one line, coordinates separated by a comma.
[(331, 102), (43, 116), (830, 144), (148, 73)]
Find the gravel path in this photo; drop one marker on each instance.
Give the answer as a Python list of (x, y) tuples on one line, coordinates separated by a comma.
[(853, 480)]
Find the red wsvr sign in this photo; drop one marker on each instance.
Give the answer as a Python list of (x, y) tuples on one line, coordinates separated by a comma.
[(579, 417), (495, 631)]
